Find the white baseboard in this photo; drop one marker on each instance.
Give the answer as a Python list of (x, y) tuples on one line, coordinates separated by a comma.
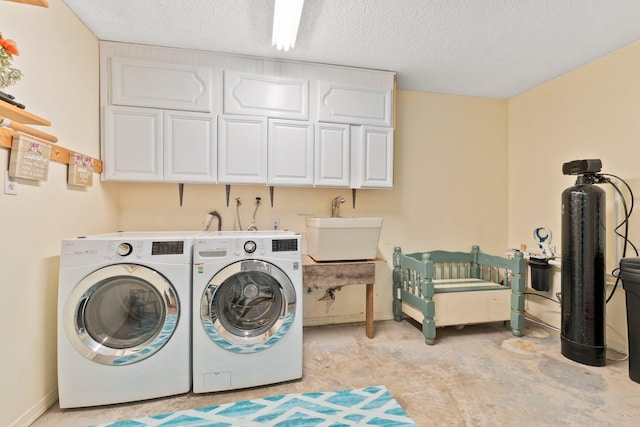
[(36, 410)]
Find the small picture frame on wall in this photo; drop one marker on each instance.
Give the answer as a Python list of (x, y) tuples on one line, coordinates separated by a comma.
[(29, 159), (80, 170)]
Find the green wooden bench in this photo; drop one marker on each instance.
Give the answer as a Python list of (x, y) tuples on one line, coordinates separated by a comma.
[(442, 288)]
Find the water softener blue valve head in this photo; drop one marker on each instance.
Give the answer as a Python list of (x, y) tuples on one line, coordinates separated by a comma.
[(542, 235)]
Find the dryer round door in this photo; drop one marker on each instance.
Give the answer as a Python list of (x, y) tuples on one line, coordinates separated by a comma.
[(248, 306), (121, 314)]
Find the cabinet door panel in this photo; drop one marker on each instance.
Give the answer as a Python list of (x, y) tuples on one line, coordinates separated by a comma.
[(290, 152), (372, 157), (242, 150), (261, 95), (161, 85), (132, 150), (354, 105), (332, 155), (189, 147)]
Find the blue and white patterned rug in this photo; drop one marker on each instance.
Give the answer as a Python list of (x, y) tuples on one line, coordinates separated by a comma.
[(371, 406)]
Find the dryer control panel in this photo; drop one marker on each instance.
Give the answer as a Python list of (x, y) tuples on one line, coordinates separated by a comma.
[(167, 248), (123, 249), (134, 247)]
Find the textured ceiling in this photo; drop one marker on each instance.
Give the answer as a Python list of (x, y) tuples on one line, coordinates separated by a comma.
[(491, 48)]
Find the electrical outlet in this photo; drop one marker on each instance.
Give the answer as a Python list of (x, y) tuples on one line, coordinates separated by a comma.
[(276, 224), (10, 186)]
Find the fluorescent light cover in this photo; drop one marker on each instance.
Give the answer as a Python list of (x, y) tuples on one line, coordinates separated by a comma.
[(286, 18)]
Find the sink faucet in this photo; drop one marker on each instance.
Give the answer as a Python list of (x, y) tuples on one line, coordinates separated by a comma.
[(335, 206), (207, 220)]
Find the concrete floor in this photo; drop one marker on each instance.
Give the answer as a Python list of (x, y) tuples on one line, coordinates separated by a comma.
[(476, 376)]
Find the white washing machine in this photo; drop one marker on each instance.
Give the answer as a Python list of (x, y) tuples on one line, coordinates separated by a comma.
[(247, 310), (124, 317)]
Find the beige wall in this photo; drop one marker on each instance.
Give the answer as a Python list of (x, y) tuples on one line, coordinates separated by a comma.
[(59, 59), (591, 112)]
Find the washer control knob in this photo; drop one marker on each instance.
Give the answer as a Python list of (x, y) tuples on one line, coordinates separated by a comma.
[(124, 249), (250, 246)]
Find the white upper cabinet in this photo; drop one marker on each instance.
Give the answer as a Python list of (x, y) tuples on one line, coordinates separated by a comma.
[(150, 145), (355, 105), (371, 157), (191, 116), (189, 147), (261, 95), (291, 154), (242, 150), (132, 149), (160, 85), (332, 155)]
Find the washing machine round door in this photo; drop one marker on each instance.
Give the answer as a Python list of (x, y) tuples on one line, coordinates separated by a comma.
[(248, 306), (121, 314)]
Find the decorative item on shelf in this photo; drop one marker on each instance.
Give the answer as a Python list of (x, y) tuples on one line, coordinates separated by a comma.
[(8, 74), (10, 99), (29, 159), (80, 170)]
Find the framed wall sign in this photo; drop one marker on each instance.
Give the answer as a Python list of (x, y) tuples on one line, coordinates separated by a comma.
[(80, 170), (29, 159)]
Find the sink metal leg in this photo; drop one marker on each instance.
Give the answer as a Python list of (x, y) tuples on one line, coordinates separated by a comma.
[(369, 311)]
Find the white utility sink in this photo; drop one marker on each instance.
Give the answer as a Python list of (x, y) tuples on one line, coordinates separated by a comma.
[(342, 239)]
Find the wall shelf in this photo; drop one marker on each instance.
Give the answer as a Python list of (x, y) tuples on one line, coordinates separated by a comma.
[(42, 3), (18, 114), (58, 153)]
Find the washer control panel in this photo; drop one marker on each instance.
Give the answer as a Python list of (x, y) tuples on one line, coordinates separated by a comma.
[(250, 246)]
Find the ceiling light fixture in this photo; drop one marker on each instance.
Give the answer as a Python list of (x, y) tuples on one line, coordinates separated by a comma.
[(286, 19)]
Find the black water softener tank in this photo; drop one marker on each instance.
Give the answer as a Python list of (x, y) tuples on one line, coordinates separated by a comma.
[(583, 305)]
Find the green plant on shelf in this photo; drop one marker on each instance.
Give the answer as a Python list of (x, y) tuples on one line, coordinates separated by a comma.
[(9, 75)]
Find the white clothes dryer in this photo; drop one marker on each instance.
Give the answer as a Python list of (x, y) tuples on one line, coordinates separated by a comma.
[(124, 317), (247, 310)]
